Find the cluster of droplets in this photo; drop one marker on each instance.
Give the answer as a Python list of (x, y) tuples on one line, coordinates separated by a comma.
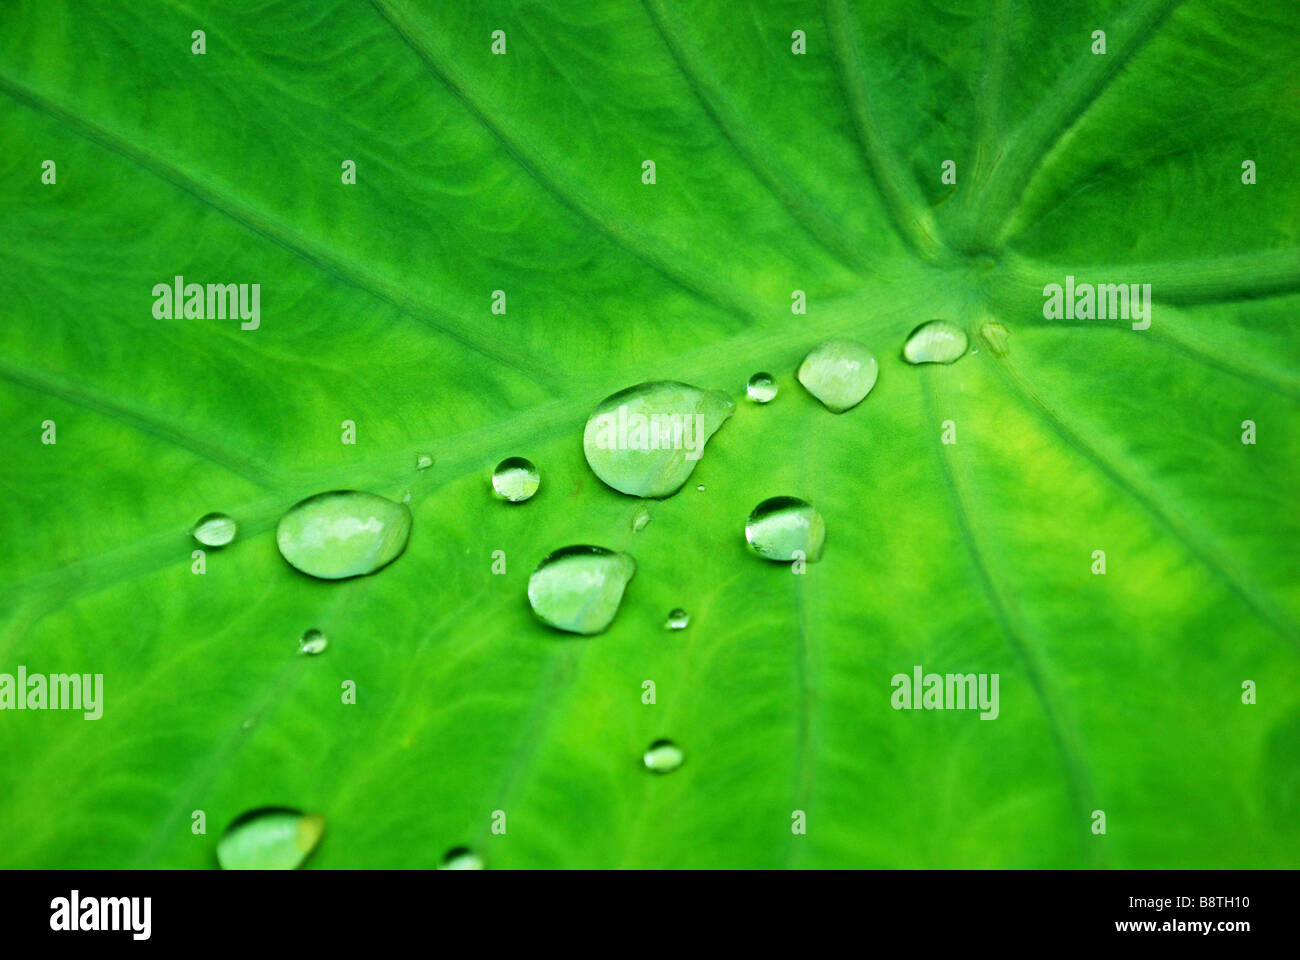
[(634, 442)]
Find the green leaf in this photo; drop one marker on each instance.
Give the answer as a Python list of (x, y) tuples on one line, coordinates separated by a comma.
[(775, 172)]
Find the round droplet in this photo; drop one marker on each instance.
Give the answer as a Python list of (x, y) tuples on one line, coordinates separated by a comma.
[(313, 642), (678, 619), (761, 388), (578, 589), (640, 519), (700, 488), (344, 533), (663, 756), (646, 440), (935, 342), (423, 462), (785, 528), (996, 336), (269, 838), (461, 858), (515, 479), (839, 373), (215, 530)]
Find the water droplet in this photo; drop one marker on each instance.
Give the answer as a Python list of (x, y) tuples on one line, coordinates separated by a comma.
[(678, 619), (423, 462), (781, 526), (344, 533), (935, 342), (461, 858), (215, 530), (646, 440), (578, 589), (996, 336), (700, 488), (761, 388), (640, 518), (663, 756), (839, 373), (516, 479), (269, 838), (313, 642)]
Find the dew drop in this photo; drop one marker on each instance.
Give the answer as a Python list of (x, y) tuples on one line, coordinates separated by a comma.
[(646, 440), (700, 488), (578, 589), (313, 642), (640, 518), (215, 530), (761, 388), (781, 526), (839, 373), (423, 462), (678, 619), (461, 858), (996, 336), (935, 342), (269, 838), (344, 533), (516, 479), (663, 756)]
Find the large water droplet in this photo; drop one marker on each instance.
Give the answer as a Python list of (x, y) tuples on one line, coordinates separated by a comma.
[(461, 858), (269, 838), (578, 589), (215, 530), (640, 518), (761, 388), (839, 373), (780, 527), (678, 619), (663, 756), (646, 440), (313, 642), (515, 479), (935, 342), (997, 337), (344, 533)]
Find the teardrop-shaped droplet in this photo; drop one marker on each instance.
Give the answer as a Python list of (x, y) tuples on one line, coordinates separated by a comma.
[(344, 533), (313, 642), (996, 336), (761, 388), (461, 858), (269, 838), (423, 461), (663, 756), (640, 519), (646, 440), (786, 528), (935, 342), (515, 479), (678, 619), (839, 373), (578, 589), (215, 530)]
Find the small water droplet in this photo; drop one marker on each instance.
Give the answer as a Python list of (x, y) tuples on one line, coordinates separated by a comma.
[(461, 858), (640, 519), (781, 526), (344, 533), (515, 479), (423, 462), (761, 388), (313, 642), (678, 619), (839, 373), (996, 336), (269, 838), (663, 756), (700, 488), (215, 530), (578, 589), (646, 440), (935, 342)]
